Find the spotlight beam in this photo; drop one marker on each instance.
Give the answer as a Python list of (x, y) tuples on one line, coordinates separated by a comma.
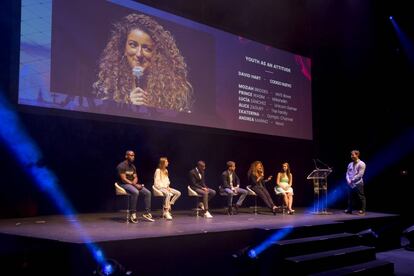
[(277, 236), (405, 40), (26, 152), (395, 151)]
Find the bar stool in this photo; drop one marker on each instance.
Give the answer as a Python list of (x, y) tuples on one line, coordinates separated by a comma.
[(222, 192), (157, 193), (119, 191), (250, 192), (281, 196), (192, 193)]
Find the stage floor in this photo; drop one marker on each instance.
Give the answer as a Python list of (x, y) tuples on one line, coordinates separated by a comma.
[(100, 227)]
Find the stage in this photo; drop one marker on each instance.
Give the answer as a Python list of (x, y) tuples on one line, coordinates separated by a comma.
[(183, 244), (96, 225)]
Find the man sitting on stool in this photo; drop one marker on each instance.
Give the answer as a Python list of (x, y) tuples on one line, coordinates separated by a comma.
[(231, 186), (128, 178), (198, 184)]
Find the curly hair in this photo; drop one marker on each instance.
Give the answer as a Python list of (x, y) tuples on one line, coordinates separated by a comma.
[(166, 79), (253, 169)]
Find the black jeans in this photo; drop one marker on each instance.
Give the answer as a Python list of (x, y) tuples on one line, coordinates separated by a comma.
[(264, 195), (357, 191)]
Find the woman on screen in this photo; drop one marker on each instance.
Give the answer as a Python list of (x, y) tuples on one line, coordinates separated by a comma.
[(284, 186), (141, 65), (257, 184)]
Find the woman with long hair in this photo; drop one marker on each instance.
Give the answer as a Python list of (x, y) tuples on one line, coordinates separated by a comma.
[(257, 183), (142, 65), (162, 183), (284, 181)]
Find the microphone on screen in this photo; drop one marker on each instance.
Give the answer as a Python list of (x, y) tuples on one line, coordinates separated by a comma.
[(136, 97), (138, 71)]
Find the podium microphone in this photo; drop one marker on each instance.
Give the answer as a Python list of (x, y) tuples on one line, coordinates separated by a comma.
[(314, 162), (324, 164)]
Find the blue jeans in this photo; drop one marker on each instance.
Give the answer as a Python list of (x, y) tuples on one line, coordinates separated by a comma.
[(133, 197), (230, 193)]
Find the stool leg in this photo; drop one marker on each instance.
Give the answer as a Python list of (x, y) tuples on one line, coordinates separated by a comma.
[(255, 205), (284, 206), (127, 212), (197, 210)]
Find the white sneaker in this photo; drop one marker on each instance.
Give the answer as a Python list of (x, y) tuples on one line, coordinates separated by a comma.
[(148, 217), (207, 215), (133, 218), (167, 216)]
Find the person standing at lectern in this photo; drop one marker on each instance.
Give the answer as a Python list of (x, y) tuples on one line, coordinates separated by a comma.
[(354, 178)]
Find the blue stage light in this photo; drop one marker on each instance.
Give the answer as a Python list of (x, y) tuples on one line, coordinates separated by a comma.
[(26, 152), (368, 237), (277, 236), (405, 39), (408, 238), (112, 267), (400, 147), (368, 233), (252, 254), (108, 269)]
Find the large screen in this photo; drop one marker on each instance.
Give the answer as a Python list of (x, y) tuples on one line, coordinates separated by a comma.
[(123, 58)]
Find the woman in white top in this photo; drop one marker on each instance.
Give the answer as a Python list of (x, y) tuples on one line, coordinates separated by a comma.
[(162, 183), (284, 186)]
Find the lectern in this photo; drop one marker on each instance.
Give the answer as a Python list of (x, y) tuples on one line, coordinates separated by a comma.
[(320, 190)]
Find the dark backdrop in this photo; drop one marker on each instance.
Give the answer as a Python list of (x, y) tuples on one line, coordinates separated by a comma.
[(361, 89)]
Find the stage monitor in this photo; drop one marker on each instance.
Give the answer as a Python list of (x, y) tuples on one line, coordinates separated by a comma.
[(123, 58)]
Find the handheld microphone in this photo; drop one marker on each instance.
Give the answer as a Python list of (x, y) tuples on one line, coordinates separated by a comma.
[(138, 71)]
